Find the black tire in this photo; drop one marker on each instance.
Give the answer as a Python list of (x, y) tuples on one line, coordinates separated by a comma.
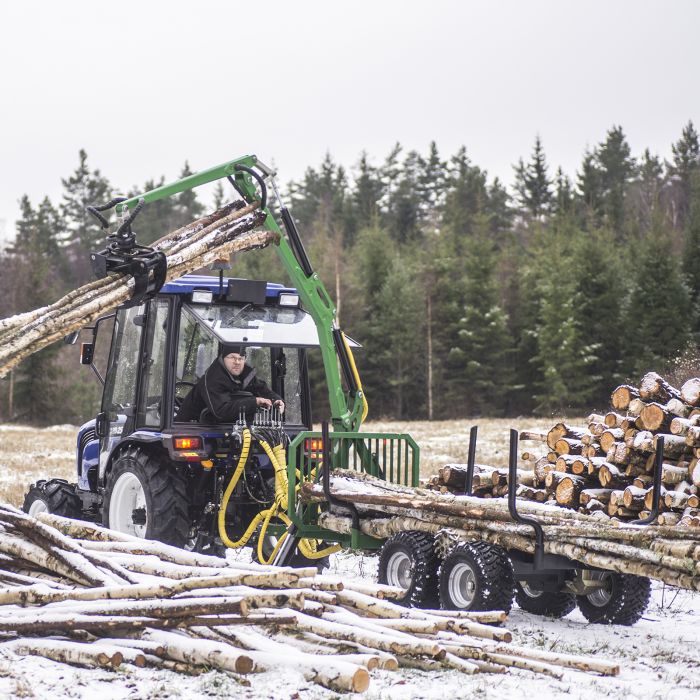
[(408, 560), (549, 603), (55, 496), (162, 511), (476, 576), (622, 602)]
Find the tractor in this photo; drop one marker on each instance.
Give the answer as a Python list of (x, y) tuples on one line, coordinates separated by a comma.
[(208, 486)]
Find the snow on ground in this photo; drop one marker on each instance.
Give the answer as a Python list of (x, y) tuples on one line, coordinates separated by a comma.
[(659, 659), (659, 656)]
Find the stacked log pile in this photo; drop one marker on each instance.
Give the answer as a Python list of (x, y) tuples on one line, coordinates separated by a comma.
[(80, 594), (667, 553), (606, 467), (227, 230)]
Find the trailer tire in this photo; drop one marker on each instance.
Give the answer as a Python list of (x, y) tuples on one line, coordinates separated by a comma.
[(476, 576), (408, 560), (54, 496), (622, 602), (146, 496), (554, 604)]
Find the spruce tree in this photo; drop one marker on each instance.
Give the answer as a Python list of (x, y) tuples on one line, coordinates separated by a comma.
[(532, 183), (685, 164), (691, 247), (616, 168), (480, 358)]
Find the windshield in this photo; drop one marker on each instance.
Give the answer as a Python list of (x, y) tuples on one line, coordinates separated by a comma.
[(198, 348), (271, 325)]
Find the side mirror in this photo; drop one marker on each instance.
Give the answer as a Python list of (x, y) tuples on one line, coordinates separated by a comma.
[(87, 351), (71, 338)]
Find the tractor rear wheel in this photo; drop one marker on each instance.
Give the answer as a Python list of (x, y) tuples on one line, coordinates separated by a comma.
[(55, 496), (549, 603), (476, 576), (145, 496), (408, 561), (621, 600)]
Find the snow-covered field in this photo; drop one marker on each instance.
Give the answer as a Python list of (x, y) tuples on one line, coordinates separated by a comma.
[(659, 657)]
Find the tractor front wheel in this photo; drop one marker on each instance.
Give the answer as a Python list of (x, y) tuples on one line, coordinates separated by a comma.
[(55, 496), (145, 496)]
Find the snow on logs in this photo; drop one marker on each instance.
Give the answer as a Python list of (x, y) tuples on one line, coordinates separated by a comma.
[(613, 454), (77, 593), (228, 230)]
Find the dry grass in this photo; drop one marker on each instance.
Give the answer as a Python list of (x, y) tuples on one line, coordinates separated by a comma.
[(28, 454)]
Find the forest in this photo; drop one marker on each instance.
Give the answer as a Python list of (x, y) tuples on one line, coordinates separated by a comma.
[(470, 296)]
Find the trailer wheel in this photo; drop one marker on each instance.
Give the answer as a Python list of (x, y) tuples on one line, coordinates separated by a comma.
[(552, 604), (55, 496), (476, 576), (621, 601), (145, 496), (408, 561)]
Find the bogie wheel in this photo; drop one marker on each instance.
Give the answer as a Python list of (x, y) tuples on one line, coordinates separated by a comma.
[(145, 496), (476, 576), (550, 603), (408, 560), (55, 496), (621, 600)]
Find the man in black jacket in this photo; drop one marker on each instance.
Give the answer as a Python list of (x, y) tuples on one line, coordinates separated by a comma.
[(227, 389)]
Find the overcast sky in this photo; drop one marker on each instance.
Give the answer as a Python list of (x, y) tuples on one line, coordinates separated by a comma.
[(144, 86)]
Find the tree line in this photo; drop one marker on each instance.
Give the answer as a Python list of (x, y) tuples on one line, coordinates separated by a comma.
[(469, 297)]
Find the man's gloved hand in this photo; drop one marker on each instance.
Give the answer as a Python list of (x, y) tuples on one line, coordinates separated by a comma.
[(265, 403), (279, 404)]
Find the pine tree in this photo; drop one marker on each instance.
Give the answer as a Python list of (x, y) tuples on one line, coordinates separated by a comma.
[(367, 193), (187, 204), (685, 164), (691, 246), (616, 168)]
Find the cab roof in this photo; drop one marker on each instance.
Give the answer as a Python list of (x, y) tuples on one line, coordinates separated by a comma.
[(188, 283)]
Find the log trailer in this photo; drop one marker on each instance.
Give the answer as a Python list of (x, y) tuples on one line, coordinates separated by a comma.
[(206, 486)]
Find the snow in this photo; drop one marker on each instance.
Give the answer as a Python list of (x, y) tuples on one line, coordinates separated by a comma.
[(659, 658)]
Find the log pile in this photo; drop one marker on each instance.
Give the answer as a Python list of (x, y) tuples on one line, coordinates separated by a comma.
[(606, 467), (227, 230), (77, 593), (666, 553)]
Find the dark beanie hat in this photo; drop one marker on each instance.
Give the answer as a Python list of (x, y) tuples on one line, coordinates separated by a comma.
[(227, 349)]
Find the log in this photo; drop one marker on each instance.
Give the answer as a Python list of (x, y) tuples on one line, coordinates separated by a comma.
[(622, 395), (228, 232), (635, 407), (601, 495), (654, 388), (654, 417), (568, 490), (90, 655), (690, 392), (609, 437)]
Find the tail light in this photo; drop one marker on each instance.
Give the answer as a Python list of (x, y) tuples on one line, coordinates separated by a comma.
[(314, 447), (187, 443)]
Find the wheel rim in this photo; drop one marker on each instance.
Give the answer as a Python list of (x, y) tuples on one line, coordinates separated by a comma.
[(398, 570), (601, 596), (462, 585), (38, 506), (127, 496), (529, 591)]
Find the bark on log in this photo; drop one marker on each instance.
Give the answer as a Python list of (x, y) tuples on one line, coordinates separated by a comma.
[(654, 388)]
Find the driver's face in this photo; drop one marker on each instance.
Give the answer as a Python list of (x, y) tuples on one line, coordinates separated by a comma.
[(234, 363)]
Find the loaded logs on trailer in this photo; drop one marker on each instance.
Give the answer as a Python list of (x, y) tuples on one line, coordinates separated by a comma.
[(78, 593), (606, 468), (228, 230), (667, 553)]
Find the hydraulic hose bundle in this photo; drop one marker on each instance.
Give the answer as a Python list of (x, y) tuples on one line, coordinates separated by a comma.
[(278, 458)]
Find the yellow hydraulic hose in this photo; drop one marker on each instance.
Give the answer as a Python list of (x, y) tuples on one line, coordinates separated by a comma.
[(358, 381)]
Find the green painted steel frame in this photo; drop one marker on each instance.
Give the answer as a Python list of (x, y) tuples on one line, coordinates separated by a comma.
[(346, 411), (392, 457)]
